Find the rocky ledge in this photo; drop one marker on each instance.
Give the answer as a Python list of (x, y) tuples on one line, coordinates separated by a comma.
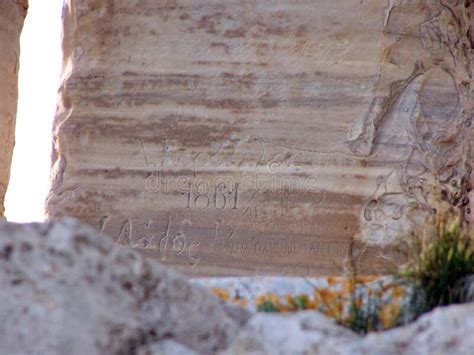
[(68, 290), (444, 331)]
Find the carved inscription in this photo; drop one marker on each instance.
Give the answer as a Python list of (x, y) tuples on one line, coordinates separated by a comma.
[(144, 235), (220, 198), (419, 117), (260, 138), (166, 240), (282, 248)]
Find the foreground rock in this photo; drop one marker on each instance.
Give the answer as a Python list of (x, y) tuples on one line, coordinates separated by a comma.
[(68, 290), (12, 14), (444, 331), (271, 132), (301, 333)]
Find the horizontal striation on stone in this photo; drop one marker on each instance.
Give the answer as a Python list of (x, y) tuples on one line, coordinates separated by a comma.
[(239, 138)]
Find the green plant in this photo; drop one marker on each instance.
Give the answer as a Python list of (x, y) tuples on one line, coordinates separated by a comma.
[(441, 263), (301, 302), (372, 315), (361, 321), (268, 307)]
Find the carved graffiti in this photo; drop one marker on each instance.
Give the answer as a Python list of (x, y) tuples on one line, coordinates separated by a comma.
[(419, 117)]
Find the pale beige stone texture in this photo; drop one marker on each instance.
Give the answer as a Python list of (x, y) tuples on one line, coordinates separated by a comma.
[(12, 15), (264, 137)]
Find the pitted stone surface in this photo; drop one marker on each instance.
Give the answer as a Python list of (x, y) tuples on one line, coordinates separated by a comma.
[(68, 290), (444, 331)]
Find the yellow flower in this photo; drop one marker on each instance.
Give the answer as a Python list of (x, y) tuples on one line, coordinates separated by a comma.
[(389, 314), (239, 301), (331, 302), (332, 280), (327, 296), (291, 303), (222, 293), (365, 279), (398, 292), (338, 309), (349, 285), (312, 303)]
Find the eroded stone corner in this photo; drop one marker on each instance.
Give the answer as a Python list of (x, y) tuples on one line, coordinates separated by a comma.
[(12, 15), (419, 122)]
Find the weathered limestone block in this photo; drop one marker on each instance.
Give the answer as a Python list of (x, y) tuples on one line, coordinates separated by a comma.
[(68, 290), (12, 14), (269, 137)]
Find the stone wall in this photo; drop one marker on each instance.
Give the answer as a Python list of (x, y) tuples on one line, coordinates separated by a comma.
[(12, 14), (268, 137)]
